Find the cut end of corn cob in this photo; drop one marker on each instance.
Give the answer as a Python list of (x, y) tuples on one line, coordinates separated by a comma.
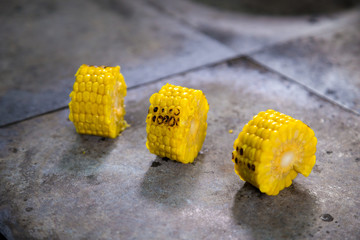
[(97, 101), (272, 149), (176, 123)]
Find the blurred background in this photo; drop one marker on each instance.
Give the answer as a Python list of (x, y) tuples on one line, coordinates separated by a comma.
[(44, 42), (299, 57)]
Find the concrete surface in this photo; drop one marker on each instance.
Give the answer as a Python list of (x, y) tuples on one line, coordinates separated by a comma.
[(68, 186), (56, 184), (328, 63), (44, 43)]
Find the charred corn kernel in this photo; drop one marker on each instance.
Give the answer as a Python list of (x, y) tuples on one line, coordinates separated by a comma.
[(176, 123), (97, 106), (272, 149)]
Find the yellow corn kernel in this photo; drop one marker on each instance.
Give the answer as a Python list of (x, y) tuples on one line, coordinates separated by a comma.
[(272, 149), (174, 129), (94, 110)]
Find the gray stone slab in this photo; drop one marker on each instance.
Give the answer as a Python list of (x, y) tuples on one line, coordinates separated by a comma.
[(328, 63), (60, 185), (43, 44), (233, 24)]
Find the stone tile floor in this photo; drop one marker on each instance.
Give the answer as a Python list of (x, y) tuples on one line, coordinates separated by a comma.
[(45, 43), (56, 184)]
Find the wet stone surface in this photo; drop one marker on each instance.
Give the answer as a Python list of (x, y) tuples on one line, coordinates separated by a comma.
[(58, 184), (235, 25), (44, 43), (328, 63)]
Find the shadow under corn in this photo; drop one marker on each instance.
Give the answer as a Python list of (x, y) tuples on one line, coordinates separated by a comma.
[(169, 182), (86, 155), (289, 215)]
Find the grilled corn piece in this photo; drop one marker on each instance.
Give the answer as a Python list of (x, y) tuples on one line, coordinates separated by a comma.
[(97, 101), (272, 149), (176, 123)]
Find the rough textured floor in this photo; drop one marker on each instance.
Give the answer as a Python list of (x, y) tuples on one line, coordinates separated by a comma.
[(56, 184)]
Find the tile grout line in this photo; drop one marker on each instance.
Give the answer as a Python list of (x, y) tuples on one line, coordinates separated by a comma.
[(247, 55), (169, 14), (324, 30), (34, 116), (187, 24), (223, 61), (309, 89), (234, 57)]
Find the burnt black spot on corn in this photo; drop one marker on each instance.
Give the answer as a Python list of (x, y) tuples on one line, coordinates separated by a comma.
[(160, 119), (171, 121), (175, 139), (155, 109), (274, 148), (176, 112)]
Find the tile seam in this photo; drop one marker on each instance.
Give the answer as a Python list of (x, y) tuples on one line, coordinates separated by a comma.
[(307, 88)]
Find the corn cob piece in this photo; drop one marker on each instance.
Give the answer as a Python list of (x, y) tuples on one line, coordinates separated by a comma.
[(272, 149), (97, 101), (176, 123)]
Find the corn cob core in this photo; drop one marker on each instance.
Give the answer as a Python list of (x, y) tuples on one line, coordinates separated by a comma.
[(97, 101), (176, 123), (272, 149)]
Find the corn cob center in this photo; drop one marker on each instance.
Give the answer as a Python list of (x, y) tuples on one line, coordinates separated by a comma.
[(194, 126), (118, 112), (287, 159), (197, 128)]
